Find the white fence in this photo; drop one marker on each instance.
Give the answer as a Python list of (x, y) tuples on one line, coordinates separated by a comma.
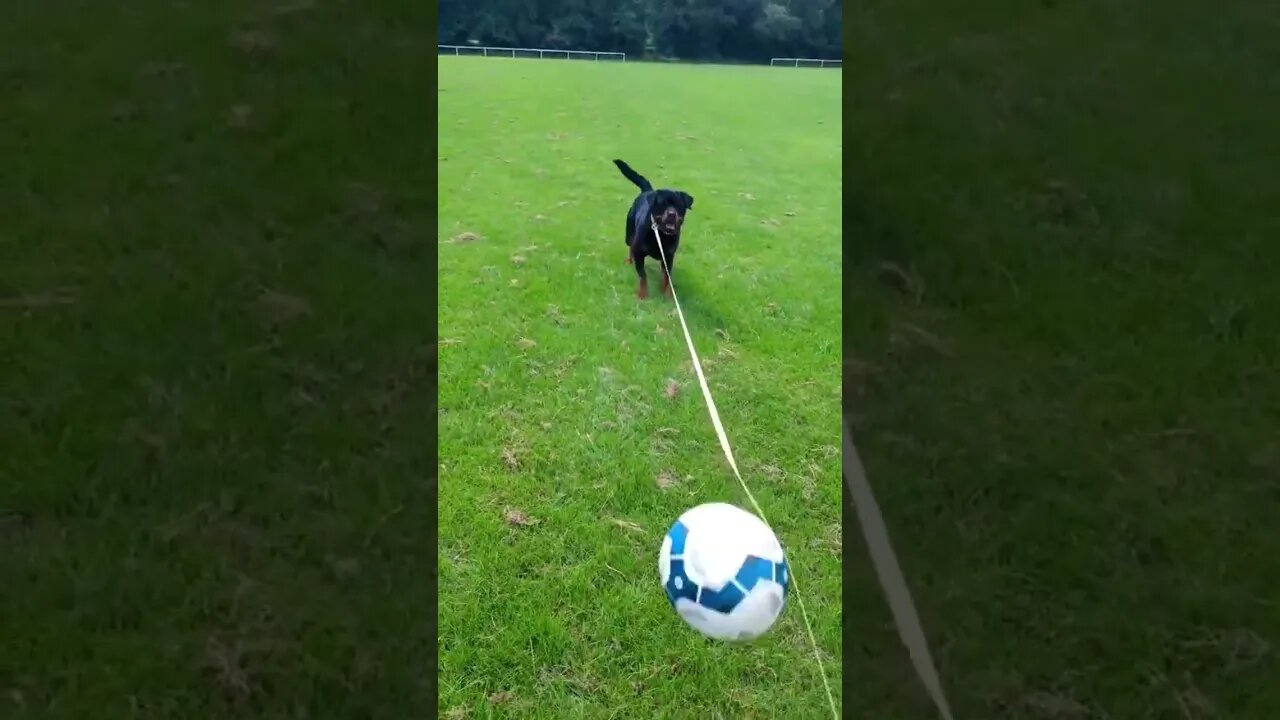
[(803, 62), (486, 51)]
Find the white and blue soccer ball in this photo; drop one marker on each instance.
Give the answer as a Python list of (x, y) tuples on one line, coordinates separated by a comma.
[(724, 572)]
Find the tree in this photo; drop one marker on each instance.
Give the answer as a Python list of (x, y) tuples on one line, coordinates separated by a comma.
[(741, 30)]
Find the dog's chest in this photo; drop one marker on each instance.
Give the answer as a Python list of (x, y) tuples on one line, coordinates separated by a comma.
[(650, 244)]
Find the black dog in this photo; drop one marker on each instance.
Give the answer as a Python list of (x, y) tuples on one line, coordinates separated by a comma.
[(666, 209)]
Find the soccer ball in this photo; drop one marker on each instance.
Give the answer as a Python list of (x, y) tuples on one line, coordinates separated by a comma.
[(724, 572)]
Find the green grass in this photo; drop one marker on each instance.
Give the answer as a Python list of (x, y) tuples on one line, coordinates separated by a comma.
[(1079, 454), (553, 381), (216, 361)]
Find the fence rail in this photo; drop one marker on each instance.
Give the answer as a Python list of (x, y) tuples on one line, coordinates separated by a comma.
[(808, 62), (489, 51)]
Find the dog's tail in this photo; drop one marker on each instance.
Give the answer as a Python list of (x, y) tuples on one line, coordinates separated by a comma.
[(633, 176)]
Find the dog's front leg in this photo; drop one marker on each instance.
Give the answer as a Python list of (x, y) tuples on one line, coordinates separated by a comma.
[(642, 291)]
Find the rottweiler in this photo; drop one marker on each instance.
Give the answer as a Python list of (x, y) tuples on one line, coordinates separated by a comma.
[(664, 208)]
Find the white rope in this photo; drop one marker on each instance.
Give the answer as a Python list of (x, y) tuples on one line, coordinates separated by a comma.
[(728, 453), (889, 570)]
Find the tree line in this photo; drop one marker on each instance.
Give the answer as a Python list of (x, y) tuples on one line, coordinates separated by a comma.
[(691, 30)]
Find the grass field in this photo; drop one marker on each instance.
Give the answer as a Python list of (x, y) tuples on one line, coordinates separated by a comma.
[(1066, 393), (216, 361), (572, 430)]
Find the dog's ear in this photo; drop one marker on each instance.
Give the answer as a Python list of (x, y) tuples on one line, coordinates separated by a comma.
[(687, 199)]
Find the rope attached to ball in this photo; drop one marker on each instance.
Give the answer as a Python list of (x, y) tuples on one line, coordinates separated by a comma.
[(728, 454)]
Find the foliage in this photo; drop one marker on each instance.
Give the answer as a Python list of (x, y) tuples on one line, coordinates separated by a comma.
[(733, 30)]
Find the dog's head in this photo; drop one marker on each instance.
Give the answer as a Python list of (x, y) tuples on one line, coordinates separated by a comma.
[(669, 208)]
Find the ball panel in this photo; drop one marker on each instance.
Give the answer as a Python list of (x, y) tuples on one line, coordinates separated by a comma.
[(679, 536), (679, 585), (750, 619), (664, 559), (753, 570), (723, 600)]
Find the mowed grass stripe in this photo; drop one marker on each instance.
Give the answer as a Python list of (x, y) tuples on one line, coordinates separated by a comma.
[(564, 457)]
